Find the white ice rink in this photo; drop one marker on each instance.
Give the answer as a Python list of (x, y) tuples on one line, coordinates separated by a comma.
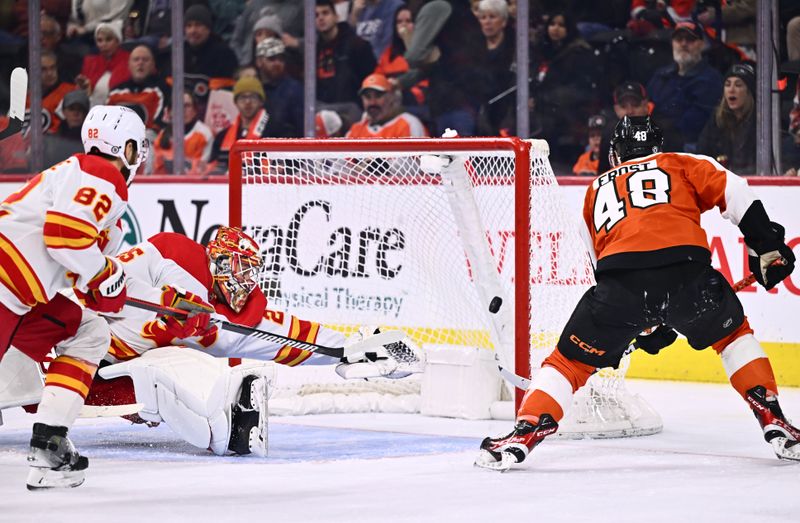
[(709, 464)]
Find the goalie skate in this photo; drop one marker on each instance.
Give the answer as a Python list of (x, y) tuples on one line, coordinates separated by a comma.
[(501, 453), (249, 418), (778, 432), (54, 462)]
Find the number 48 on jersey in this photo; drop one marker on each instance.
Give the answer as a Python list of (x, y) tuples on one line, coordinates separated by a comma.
[(647, 185)]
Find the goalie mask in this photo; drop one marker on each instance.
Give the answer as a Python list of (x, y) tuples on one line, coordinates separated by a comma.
[(235, 263), (634, 136)]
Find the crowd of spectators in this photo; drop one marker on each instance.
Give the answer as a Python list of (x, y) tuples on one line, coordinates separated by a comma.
[(403, 68)]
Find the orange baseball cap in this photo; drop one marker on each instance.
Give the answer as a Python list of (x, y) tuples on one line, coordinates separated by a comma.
[(376, 82)]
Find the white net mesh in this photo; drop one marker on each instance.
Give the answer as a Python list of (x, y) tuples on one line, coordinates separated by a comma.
[(358, 233)]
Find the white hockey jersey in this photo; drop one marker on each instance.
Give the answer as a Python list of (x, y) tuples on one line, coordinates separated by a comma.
[(56, 230), (173, 259)]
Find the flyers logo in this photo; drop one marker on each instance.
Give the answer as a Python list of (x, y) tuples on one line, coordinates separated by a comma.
[(585, 346)]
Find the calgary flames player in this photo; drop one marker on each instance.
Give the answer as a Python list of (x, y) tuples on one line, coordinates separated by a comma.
[(208, 404), (653, 267), (58, 231)]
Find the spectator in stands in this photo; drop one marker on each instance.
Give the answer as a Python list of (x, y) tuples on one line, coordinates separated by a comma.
[(730, 134), (373, 21), (87, 15), (251, 123), (197, 142), (630, 99), (686, 92), (66, 141), (53, 92), (269, 26), (284, 94), (498, 112), (69, 62), (290, 14), (343, 59), (145, 89), (735, 22), (108, 68), (790, 148), (793, 38), (328, 124), (589, 162), (445, 44), (383, 114), (392, 64), (209, 62), (565, 72)]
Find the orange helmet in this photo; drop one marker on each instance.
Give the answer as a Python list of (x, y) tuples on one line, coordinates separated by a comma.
[(235, 264)]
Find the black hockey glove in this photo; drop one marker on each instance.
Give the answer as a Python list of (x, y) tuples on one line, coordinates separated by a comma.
[(659, 339), (765, 245)]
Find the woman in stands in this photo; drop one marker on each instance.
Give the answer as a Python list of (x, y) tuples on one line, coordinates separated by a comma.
[(730, 134)]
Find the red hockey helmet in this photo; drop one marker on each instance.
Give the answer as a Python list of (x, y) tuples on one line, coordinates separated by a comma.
[(235, 264)]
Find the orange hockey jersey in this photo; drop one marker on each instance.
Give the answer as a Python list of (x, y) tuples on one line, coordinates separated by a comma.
[(646, 212)]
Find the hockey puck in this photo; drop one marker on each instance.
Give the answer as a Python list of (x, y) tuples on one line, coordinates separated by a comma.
[(495, 304)]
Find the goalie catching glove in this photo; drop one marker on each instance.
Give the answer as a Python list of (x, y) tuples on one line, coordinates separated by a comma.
[(394, 360), (765, 246), (106, 291), (198, 320)]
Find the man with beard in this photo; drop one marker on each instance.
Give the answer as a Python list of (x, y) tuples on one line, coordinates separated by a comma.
[(686, 92), (383, 114)]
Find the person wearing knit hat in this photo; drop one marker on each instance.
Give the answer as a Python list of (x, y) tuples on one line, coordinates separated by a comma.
[(730, 134), (198, 13), (252, 122), (284, 94), (108, 68)]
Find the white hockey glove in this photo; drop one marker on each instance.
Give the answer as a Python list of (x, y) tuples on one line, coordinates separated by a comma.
[(394, 360)]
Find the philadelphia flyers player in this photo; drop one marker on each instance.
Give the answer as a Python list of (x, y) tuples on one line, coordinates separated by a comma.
[(61, 230), (653, 267)]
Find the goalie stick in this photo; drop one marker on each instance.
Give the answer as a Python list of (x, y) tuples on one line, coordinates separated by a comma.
[(373, 342), (523, 383), (16, 109)]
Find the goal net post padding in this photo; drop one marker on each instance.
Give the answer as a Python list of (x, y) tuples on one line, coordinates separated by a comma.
[(421, 235)]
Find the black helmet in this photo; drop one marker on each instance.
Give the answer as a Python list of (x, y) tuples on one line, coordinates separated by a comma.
[(634, 136)]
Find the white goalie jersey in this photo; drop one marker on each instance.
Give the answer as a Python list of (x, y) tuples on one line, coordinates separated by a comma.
[(175, 260)]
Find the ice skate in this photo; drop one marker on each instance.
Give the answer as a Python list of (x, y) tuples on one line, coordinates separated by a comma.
[(501, 453), (249, 418), (778, 432), (53, 460)]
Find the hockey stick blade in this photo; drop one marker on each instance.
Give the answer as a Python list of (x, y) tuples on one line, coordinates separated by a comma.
[(523, 383), (383, 338), (16, 111)]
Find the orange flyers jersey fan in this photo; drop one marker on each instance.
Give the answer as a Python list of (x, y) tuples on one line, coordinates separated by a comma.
[(173, 259), (55, 230), (404, 125), (646, 212)]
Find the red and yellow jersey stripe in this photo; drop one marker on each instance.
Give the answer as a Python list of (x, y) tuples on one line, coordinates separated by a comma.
[(62, 231), (72, 374), (300, 330), (18, 275), (121, 350)]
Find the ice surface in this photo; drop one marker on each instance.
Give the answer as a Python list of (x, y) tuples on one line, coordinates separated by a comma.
[(709, 464)]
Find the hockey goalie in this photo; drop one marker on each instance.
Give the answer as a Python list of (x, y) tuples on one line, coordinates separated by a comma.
[(207, 403)]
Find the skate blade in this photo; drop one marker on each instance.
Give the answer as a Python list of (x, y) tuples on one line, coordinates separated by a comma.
[(788, 454), (485, 460), (43, 478)]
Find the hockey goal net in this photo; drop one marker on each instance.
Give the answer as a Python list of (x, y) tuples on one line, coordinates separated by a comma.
[(422, 235)]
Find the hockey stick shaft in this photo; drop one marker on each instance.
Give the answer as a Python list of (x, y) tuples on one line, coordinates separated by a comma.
[(383, 338), (524, 383)]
